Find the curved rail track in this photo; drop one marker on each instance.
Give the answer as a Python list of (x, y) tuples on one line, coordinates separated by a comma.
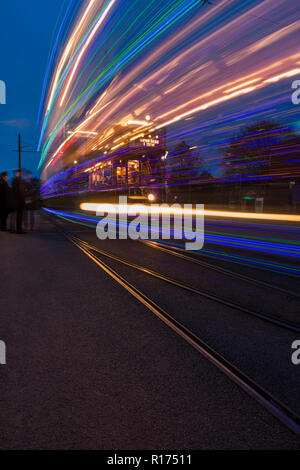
[(275, 406)]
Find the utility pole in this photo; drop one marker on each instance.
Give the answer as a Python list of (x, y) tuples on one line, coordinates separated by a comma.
[(20, 165), (21, 149)]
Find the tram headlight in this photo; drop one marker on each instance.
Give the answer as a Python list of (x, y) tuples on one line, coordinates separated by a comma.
[(151, 197)]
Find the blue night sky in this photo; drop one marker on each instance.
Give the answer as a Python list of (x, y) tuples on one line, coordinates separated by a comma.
[(26, 34)]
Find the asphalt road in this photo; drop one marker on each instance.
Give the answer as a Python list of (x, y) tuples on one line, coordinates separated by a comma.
[(89, 367)]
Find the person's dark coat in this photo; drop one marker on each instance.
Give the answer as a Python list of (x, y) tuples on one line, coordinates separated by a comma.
[(18, 193), (11, 203), (4, 195)]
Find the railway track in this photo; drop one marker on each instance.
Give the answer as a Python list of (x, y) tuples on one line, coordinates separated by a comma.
[(256, 391), (203, 293), (275, 406), (180, 253)]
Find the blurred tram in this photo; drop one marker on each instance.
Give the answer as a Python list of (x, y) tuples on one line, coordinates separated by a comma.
[(130, 163)]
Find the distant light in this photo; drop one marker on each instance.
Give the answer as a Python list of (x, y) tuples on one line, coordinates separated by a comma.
[(151, 197), (82, 132), (138, 123), (75, 162), (148, 117)]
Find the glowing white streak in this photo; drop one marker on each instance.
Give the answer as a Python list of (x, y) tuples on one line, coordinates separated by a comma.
[(130, 209), (139, 123), (137, 137), (92, 115), (205, 106), (98, 102), (241, 85), (83, 132), (117, 146), (122, 137), (290, 73)]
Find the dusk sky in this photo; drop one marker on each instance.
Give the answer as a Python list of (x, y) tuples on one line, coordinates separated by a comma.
[(26, 33)]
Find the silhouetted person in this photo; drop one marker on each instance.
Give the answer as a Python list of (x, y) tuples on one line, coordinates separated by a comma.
[(18, 189), (4, 195)]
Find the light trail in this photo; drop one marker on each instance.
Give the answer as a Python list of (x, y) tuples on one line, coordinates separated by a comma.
[(123, 208), (85, 46), (199, 74), (66, 53), (266, 247)]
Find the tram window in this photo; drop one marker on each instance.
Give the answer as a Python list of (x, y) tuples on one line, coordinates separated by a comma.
[(121, 174), (107, 175), (133, 171)]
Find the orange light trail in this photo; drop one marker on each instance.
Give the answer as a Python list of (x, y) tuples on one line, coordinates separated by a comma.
[(131, 208)]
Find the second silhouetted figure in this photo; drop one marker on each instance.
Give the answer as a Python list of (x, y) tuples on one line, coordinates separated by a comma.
[(18, 188), (4, 193)]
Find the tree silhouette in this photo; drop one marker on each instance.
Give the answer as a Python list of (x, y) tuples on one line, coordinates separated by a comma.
[(184, 163), (256, 150)]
